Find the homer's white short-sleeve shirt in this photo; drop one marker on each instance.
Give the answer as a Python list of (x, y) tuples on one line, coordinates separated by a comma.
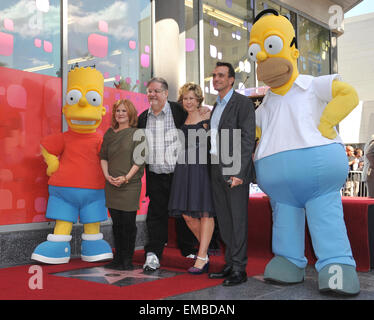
[(291, 121)]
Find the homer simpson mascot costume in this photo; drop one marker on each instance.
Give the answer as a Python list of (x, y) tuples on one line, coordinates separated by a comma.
[(300, 160), (76, 183)]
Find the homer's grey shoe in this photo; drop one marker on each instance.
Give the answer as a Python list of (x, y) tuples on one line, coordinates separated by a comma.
[(151, 263), (339, 278), (281, 270)]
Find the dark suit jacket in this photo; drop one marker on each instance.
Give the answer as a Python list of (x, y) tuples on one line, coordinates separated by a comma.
[(179, 116), (239, 113)]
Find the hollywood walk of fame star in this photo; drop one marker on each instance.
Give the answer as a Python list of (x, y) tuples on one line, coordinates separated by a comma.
[(112, 276)]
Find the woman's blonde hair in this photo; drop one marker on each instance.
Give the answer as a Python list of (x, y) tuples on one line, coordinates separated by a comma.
[(195, 88), (131, 113)]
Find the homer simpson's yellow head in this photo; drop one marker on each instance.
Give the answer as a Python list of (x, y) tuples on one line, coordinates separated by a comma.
[(84, 100), (273, 45)]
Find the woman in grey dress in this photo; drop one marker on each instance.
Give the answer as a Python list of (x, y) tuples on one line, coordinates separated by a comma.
[(123, 172)]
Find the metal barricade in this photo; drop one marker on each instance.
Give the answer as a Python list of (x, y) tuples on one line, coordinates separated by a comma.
[(354, 186)]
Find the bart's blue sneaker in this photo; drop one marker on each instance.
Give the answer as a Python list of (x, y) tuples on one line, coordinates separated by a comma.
[(94, 248), (56, 250)]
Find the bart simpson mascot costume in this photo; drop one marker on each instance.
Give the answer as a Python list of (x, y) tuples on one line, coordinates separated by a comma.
[(300, 160), (76, 183)]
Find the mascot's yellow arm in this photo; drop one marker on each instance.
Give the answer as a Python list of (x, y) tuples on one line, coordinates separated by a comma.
[(345, 99), (51, 161)]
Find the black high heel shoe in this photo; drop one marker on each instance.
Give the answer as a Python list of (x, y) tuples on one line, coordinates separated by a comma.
[(205, 269)]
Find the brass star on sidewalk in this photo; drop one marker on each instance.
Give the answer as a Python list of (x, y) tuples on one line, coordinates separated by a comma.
[(112, 276)]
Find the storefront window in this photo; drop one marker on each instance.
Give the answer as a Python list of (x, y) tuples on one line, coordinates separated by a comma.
[(30, 104), (192, 40), (267, 4), (115, 36), (30, 36), (227, 25), (314, 46)]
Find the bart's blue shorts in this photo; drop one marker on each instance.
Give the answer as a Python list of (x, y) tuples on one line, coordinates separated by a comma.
[(69, 204)]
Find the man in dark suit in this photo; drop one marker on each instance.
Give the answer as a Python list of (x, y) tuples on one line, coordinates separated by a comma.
[(159, 120), (233, 129)]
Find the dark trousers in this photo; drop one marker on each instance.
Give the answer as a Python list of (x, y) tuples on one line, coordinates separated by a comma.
[(158, 190), (231, 205), (124, 232)]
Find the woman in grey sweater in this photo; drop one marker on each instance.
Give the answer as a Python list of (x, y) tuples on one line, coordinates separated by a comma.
[(123, 173)]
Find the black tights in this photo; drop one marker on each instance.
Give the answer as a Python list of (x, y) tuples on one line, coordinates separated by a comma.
[(124, 231)]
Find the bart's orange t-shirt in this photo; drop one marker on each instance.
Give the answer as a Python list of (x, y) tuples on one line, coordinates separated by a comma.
[(79, 159)]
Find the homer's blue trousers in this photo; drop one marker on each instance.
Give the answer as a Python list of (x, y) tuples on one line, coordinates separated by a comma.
[(307, 182)]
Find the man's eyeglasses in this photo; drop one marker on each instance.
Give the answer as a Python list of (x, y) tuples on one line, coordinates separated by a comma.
[(158, 91)]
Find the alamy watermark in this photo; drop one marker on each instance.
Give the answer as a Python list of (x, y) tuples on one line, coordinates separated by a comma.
[(336, 17), (172, 146), (336, 280), (36, 280)]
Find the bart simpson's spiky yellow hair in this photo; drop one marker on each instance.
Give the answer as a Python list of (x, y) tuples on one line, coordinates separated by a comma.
[(88, 76)]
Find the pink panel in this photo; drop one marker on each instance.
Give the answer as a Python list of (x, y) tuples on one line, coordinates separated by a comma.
[(30, 109), (103, 26), (16, 96), (37, 42), (21, 204), (6, 175), (98, 45), (144, 60), (8, 24), (106, 75), (6, 44), (40, 204), (128, 80), (117, 77), (146, 49), (47, 46), (190, 45), (6, 199), (132, 44)]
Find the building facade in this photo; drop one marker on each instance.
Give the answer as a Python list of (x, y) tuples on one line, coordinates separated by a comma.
[(129, 42), (356, 66)]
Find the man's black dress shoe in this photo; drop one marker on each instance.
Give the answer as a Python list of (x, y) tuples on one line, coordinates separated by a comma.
[(235, 278), (225, 272)]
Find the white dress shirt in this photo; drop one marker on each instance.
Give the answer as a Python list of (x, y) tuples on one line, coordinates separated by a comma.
[(291, 121)]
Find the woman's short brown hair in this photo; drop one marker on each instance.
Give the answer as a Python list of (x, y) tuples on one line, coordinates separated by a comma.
[(131, 113), (195, 88)]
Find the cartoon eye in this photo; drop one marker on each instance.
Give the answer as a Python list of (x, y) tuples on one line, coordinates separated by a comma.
[(73, 96), (273, 44), (93, 98), (254, 48)]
